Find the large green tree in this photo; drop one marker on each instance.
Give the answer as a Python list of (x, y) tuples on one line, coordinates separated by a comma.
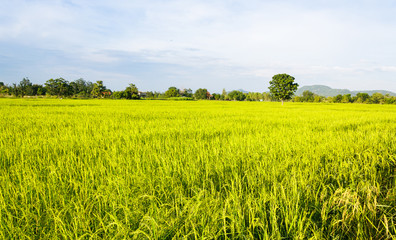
[(58, 87), (201, 93), (25, 87), (282, 87), (172, 92), (377, 98), (131, 92), (98, 89)]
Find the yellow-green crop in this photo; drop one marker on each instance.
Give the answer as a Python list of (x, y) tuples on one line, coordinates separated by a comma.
[(118, 169)]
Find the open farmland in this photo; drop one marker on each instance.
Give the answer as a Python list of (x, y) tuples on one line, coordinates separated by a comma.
[(92, 169)]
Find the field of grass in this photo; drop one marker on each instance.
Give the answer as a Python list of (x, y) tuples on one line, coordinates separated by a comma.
[(118, 169)]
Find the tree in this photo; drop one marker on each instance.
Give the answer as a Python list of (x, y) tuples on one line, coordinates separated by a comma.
[(266, 96), (14, 90), (131, 92), (362, 98), (98, 89), (317, 98), (4, 89), (216, 96), (106, 93), (41, 90), (237, 95), (389, 99), (254, 96), (224, 95), (37, 89), (186, 92), (81, 88), (298, 99), (59, 87), (346, 98), (282, 86), (172, 92), (25, 87), (201, 93), (118, 94), (150, 95), (377, 98), (337, 99), (308, 96), (258, 96)]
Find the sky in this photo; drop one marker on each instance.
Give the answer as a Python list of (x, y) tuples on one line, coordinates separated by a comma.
[(213, 44)]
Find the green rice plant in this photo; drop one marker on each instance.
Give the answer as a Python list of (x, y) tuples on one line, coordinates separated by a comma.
[(119, 169)]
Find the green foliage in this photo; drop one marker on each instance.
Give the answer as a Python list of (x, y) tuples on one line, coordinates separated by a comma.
[(118, 95), (308, 96), (4, 89), (389, 99), (82, 88), (131, 92), (58, 87), (377, 98), (186, 93), (282, 86), (216, 96), (172, 92), (87, 169), (318, 99), (224, 95), (150, 95), (201, 93), (337, 99), (254, 96), (37, 89), (236, 95), (267, 96), (346, 98), (98, 89), (25, 87), (362, 98)]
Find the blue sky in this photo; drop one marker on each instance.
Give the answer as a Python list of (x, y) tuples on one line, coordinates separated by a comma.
[(213, 44)]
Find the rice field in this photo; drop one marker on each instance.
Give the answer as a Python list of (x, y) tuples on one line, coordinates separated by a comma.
[(119, 169)]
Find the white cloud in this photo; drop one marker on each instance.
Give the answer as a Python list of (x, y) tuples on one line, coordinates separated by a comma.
[(315, 40), (387, 68)]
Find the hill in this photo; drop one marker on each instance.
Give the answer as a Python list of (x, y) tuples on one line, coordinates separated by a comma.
[(331, 92), (241, 90)]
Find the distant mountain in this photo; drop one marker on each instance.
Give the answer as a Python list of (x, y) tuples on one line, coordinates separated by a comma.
[(241, 90), (331, 92)]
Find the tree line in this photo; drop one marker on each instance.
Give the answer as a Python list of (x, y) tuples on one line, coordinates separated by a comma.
[(375, 98), (81, 88)]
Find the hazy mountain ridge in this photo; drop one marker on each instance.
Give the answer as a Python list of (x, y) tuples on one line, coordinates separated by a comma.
[(242, 90), (326, 91)]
